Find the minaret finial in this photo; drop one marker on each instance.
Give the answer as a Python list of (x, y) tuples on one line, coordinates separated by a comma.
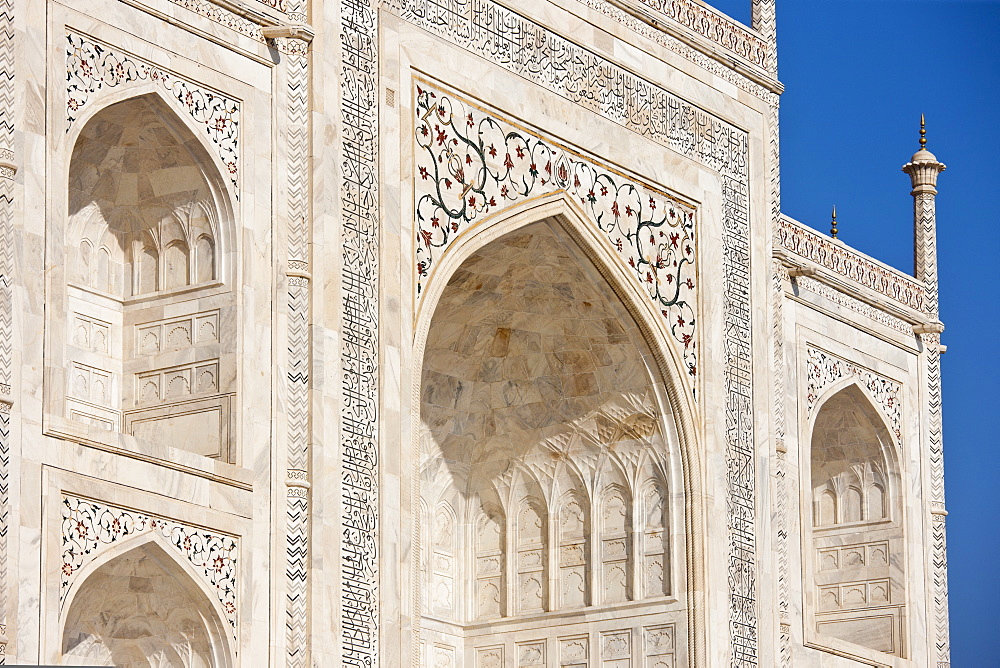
[(833, 223), (923, 133)]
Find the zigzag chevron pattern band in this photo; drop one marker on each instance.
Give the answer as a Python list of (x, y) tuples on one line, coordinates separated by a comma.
[(7, 99), (299, 356)]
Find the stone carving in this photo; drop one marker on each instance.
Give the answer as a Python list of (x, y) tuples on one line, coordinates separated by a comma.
[(473, 165), (443, 567), (531, 654), (490, 564), (659, 642), (177, 333), (532, 584), (4, 509), (169, 384), (583, 77), (824, 251), (299, 351), (444, 657), (88, 527), (91, 334), (615, 555), (710, 24), (573, 652), (824, 369), (359, 356), (92, 66), (7, 109), (616, 648), (781, 531), (489, 657)]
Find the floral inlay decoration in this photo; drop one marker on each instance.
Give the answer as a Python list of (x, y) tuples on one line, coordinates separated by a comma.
[(88, 527), (471, 164)]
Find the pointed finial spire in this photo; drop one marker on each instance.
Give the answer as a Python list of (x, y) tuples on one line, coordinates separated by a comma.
[(833, 223), (923, 133)]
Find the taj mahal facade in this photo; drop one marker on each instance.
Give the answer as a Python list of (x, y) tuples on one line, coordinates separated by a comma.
[(446, 334)]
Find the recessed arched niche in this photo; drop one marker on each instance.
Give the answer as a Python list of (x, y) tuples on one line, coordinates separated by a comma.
[(149, 350), (545, 459), (142, 609), (857, 588)]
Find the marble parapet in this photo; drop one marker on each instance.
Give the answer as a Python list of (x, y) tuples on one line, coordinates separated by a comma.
[(849, 270)]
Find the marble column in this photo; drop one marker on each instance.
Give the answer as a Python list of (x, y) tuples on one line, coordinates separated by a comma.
[(295, 38), (923, 169)]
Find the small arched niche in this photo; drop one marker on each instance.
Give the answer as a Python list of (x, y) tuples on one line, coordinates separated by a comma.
[(542, 433), (147, 229), (141, 189), (141, 609), (857, 535)]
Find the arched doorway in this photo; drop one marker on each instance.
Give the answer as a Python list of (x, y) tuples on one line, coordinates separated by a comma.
[(551, 486), (141, 609)]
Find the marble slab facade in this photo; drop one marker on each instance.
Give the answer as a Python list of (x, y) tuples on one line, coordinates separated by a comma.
[(455, 334)]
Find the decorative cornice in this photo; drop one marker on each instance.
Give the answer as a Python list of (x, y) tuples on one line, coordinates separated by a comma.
[(709, 31), (795, 239), (878, 314), (744, 78)]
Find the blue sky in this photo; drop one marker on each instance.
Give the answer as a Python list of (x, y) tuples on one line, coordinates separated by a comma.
[(857, 76)]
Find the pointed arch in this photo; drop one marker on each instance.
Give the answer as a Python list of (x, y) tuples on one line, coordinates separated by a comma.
[(142, 190), (470, 373), (856, 529), (490, 567), (134, 203), (178, 118), (873, 462), (160, 607)]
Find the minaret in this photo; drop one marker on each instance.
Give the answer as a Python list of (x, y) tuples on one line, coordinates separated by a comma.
[(923, 169)]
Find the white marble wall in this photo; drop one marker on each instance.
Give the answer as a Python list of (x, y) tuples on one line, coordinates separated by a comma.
[(686, 121)]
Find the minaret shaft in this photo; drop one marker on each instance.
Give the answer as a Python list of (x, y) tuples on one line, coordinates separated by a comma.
[(923, 169)]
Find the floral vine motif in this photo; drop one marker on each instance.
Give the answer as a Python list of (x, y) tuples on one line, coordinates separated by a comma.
[(473, 165), (91, 66), (824, 369), (88, 527)]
